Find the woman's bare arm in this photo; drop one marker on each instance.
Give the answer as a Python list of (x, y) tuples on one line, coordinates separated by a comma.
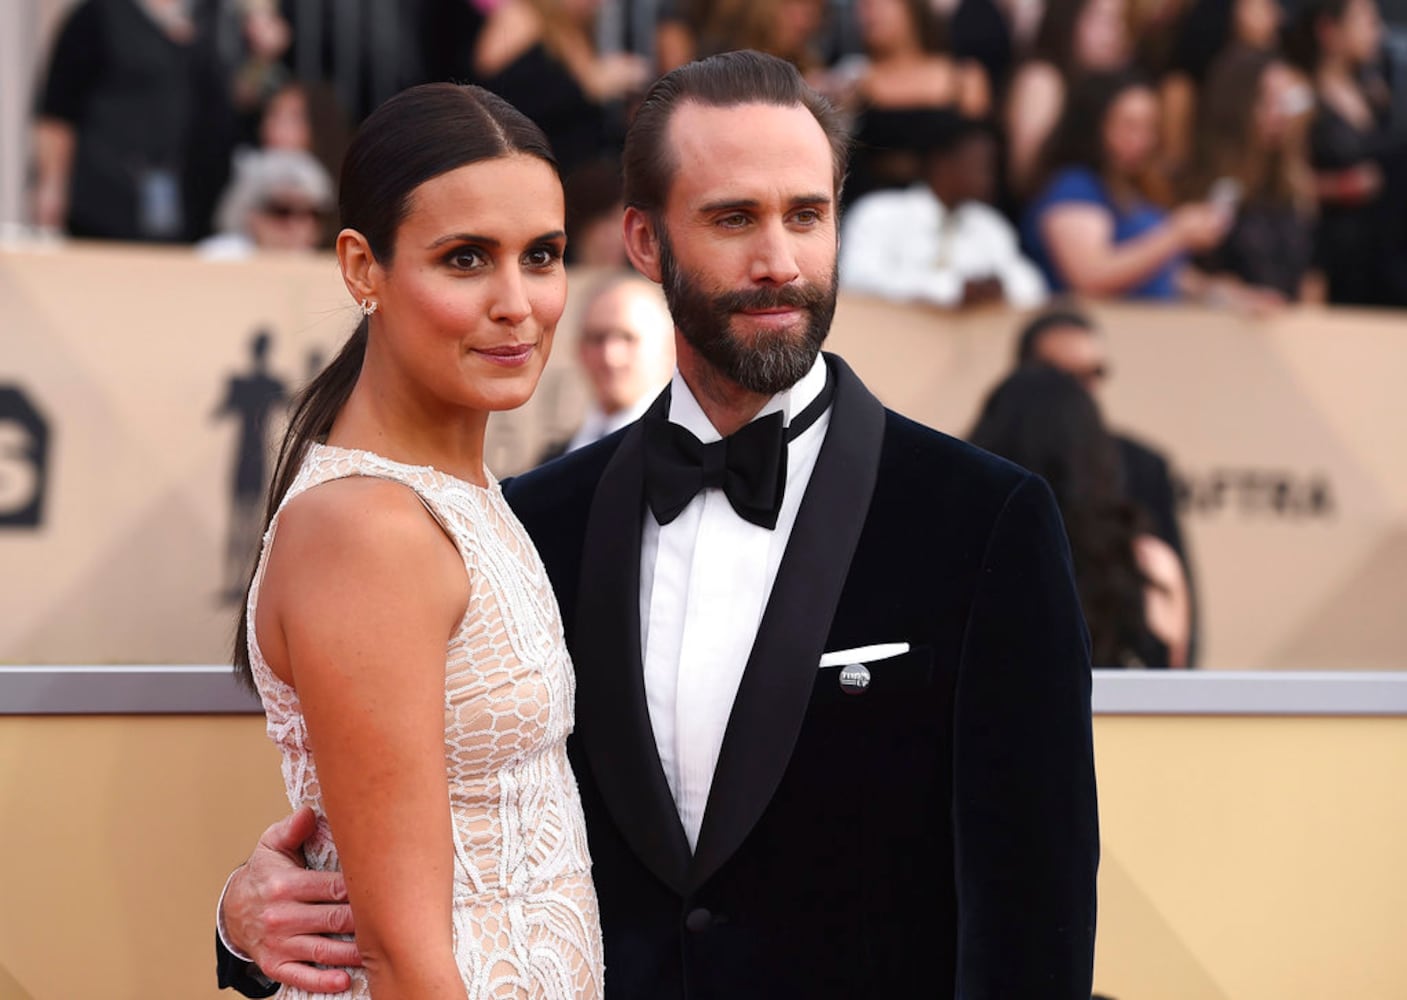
[(1080, 239), (361, 595), (1167, 606)]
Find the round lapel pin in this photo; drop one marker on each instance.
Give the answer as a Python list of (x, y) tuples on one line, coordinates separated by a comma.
[(855, 678)]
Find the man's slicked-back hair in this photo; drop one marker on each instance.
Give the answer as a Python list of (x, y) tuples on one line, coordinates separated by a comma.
[(1058, 317), (722, 81)]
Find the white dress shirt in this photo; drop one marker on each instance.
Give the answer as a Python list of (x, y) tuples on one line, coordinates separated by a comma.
[(906, 245), (704, 582), (598, 423)]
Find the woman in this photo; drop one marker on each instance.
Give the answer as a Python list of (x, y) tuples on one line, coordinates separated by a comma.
[(399, 620), (907, 85), (1131, 583), (1094, 229), (693, 29), (1209, 29), (1250, 146), (541, 56), (134, 124), (1076, 38), (1359, 165)]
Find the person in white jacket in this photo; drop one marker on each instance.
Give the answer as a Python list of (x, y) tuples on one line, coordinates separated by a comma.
[(939, 242)]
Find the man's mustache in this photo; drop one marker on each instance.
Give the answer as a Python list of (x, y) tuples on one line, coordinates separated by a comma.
[(784, 296)]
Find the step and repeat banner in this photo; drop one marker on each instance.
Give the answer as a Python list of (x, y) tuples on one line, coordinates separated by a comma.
[(141, 392)]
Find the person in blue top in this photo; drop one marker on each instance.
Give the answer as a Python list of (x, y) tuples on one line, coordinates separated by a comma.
[(1093, 229)]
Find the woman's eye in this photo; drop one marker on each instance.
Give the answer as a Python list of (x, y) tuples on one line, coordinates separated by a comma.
[(541, 257), (465, 258)]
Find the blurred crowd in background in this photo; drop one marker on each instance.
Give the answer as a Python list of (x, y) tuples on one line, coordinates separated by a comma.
[(1230, 152)]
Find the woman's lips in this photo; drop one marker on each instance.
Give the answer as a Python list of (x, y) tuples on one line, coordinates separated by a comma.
[(508, 355)]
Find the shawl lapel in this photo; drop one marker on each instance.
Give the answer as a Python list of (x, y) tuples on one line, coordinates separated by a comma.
[(781, 670), (613, 720)]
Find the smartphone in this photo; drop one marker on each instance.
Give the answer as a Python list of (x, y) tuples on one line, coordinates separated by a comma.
[(1225, 193)]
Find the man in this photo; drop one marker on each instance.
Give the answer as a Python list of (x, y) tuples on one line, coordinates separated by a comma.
[(1067, 339), (940, 242), (626, 350), (833, 732)]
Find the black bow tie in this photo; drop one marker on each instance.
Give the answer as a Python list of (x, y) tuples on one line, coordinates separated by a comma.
[(749, 466)]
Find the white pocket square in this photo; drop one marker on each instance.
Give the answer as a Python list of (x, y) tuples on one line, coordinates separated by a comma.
[(864, 654)]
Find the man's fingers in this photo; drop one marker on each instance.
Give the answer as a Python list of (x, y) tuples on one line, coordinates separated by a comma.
[(301, 885), (309, 978), (285, 922), (323, 951), (287, 835)]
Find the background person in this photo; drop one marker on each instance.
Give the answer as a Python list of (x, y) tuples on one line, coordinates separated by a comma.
[(278, 200), (134, 122), (1075, 38), (1095, 228), (1064, 338), (1360, 164), (1131, 583), (907, 86), (1251, 136), (940, 242), (626, 350), (541, 56)]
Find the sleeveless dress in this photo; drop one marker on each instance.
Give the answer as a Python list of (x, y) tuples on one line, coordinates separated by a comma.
[(525, 918)]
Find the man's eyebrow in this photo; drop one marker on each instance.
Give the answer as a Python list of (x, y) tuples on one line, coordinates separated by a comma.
[(733, 204)]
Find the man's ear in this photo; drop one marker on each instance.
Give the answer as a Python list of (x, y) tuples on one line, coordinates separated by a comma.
[(642, 244), (360, 272)]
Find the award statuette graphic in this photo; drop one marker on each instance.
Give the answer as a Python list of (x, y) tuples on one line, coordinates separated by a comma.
[(24, 459), (251, 398)]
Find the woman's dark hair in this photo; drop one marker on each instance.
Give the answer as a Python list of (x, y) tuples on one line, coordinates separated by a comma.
[(1078, 137), (1226, 143), (1041, 419), (1205, 30), (1055, 37), (414, 137), (1302, 44), (722, 81), (930, 27)]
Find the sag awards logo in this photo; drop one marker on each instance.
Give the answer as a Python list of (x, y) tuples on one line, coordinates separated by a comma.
[(24, 459)]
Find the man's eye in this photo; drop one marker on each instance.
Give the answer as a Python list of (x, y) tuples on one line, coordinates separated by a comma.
[(733, 221)]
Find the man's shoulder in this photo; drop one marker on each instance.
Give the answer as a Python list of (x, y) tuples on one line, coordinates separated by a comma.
[(928, 458)]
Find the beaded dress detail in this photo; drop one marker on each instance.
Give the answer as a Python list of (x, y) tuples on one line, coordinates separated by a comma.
[(525, 919)]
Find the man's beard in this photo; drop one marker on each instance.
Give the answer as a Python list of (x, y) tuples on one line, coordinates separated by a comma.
[(768, 362)]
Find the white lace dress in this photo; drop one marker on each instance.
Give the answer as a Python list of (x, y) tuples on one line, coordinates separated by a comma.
[(525, 917)]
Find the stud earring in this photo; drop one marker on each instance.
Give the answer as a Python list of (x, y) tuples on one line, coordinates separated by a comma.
[(369, 307)]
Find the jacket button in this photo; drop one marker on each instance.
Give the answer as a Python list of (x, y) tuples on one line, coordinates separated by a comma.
[(698, 920)]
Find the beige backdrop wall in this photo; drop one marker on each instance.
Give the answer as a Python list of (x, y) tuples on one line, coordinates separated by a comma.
[(1244, 859), (1289, 432)]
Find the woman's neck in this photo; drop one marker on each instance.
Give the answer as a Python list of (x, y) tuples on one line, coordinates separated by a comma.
[(401, 425)]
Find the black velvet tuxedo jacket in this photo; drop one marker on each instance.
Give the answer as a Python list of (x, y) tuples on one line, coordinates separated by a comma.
[(934, 836)]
